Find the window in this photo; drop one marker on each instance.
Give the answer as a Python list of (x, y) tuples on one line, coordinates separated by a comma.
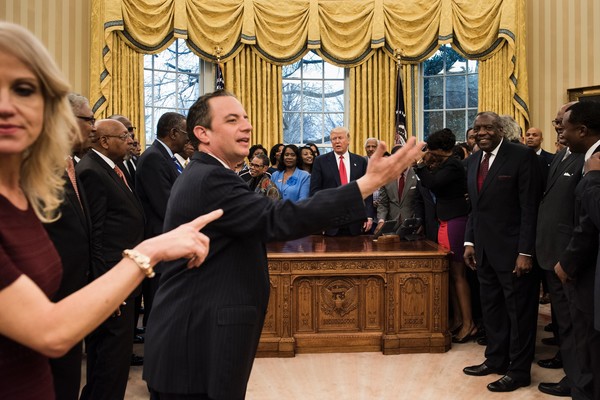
[(171, 83), (449, 92), (313, 101)]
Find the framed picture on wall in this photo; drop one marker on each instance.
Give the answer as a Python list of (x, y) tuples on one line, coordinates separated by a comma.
[(591, 93)]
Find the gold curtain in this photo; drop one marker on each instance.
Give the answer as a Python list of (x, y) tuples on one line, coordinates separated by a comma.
[(257, 84), (345, 32)]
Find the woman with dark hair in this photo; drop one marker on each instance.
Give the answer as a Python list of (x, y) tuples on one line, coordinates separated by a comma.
[(274, 156), (308, 156), (293, 183), (445, 176), (314, 148)]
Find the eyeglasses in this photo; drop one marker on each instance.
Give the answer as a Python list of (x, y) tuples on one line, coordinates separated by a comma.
[(131, 129), (181, 131), (89, 120), (123, 137), (252, 165), (556, 122)]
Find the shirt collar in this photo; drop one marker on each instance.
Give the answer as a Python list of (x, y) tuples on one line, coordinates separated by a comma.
[(166, 147), (106, 159)]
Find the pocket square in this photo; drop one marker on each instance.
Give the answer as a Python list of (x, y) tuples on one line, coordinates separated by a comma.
[(567, 174)]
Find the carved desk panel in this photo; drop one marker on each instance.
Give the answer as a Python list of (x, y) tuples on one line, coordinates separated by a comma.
[(344, 294)]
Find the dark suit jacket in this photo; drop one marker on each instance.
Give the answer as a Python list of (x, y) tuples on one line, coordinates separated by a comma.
[(449, 185), (503, 215), (325, 175), (116, 213), (556, 212), (547, 156), (205, 323), (71, 235), (578, 259), (155, 175)]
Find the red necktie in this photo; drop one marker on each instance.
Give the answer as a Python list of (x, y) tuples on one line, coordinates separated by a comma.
[(483, 170), (343, 176), (122, 176), (72, 178), (401, 182)]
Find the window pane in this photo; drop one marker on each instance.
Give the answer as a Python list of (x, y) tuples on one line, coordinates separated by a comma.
[(455, 63), (433, 93), (456, 121), (472, 66), (456, 92), (472, 114), (312, 105), (432, 121), (473, 93), (334, 96), (292, 70), (312, 69), (312, 95), (173, 84), (434, 65), (188, 90)]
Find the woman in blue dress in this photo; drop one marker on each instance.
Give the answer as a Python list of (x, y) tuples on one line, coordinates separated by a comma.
[(293, 183)]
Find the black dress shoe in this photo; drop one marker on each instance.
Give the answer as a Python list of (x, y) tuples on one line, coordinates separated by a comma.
[(482, 341), (554, 389), (138, 339), (482, 370), (550, 341), (507, 384), (552, 363), (136, 361), (140, 331)]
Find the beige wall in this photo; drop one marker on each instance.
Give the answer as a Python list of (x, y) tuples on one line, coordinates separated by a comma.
[(563, 42), (64, 27)]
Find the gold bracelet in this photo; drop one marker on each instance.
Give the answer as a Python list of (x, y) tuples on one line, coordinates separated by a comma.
[(142, 261)]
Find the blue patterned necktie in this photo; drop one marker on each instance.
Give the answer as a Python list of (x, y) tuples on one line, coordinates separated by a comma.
[(177, 165)]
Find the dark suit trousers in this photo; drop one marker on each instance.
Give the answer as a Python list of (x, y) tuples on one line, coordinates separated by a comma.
[(66, 372), (510, 307), (577, 376), (109, 350)]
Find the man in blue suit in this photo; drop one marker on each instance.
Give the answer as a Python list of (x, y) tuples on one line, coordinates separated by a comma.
[(337, 169)]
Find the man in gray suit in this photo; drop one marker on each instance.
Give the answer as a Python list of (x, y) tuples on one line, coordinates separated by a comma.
[(554, 227), (394, 205)]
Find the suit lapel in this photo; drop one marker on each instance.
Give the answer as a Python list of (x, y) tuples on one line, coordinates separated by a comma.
[(161, 149), (497, 164)]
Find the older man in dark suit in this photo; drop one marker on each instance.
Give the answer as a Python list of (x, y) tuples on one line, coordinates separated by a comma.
[(504, 186), (337, 168), (206, 323), (71, 235), (118, 223), (581, 130), (554, 227)]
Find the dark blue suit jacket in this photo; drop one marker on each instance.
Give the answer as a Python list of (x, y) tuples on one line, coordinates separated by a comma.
[(206, 322), (325, 175), (156, 172)]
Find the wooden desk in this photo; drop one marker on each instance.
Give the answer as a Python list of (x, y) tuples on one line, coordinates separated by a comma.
[(346, 294)]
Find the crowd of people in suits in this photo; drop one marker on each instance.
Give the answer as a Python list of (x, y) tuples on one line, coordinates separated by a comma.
[(83, 222)]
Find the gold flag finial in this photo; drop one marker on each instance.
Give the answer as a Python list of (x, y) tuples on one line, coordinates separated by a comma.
[(218, 51)]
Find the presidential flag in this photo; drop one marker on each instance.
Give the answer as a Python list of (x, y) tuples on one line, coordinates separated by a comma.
[(400, 137)]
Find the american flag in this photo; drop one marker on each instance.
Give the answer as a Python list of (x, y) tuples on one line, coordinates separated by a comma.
[(400, 137), (219, 81)]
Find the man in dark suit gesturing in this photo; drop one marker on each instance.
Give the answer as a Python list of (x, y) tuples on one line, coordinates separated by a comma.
[(117, 224), (336, 169), (504, 186), (206, 323)]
